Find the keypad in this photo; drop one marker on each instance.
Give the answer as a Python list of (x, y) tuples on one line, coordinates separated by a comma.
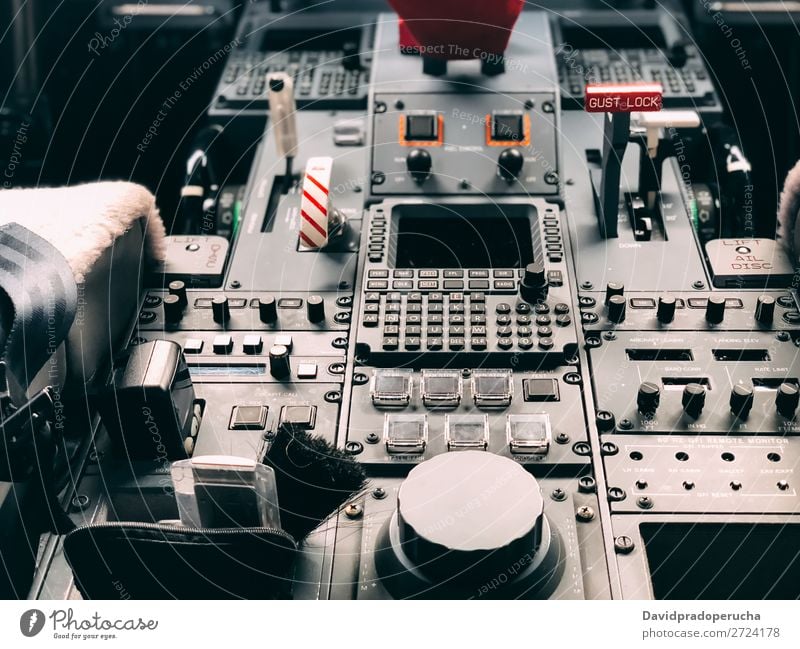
[(437, 321)]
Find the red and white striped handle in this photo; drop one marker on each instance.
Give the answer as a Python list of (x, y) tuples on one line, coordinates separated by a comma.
[(315, 204)]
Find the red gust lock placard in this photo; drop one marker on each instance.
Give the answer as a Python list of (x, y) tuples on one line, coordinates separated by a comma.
[(623, 98)]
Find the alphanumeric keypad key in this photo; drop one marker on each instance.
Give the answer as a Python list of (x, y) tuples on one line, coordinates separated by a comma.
[(523, 307), (435, 330), (393, 307), (477, 308), (456, 344), (505, 343), (372, 308), (391, 330), (390, 344), (372, 297), (434, 344), (413, 330), (457, 331), (435, 308), (524, 332), (413, 308), (543, 320), (503, 308), (370, 320), (391, 318), (435, 297), (525, 343), (456, 297), (524, 320), (413, 343), (542, 307), (477, 297), (414, 297), (477, 319), (456, 308), (478, 344), (456, 318), (504, 332), (413, 318), (503, 320), (479, 331), (435, 318)]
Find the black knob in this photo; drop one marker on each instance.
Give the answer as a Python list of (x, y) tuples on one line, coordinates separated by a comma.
[(606, 421), (765, 309), (648, 398), (616, 308), (419, 164), (173, 309), (177, 287), (279, 365), (533, 286), (614, 288), (220, 309), (787, 398), (267, 309), (509, 164), (715, 309), (741, 400), (315, 307), (693, 399), (666, 309)]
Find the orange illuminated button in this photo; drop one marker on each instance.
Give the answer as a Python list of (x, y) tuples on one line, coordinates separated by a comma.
[(623, 98)]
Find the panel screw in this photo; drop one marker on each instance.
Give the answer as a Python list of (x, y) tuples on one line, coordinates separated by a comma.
[(616, 494), (625, 424), (587, 286), (379, 493), (529, 103), (236, 284), (584, 513), (562, 438), (688, 485), (551, 178), (609, 448), (80, 502), (353, 448), (698, 285), (783, 485), (782, 336), (547, 106), (558, 495), (587, 485), (378, 178), (353, 510), (644, 502), (641, 484), (623, 545), (373, 438), (736, 485)]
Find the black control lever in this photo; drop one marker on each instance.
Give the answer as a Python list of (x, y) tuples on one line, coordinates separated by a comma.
[(618, 102)]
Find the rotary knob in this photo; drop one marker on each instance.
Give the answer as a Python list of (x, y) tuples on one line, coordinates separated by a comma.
[(267, 309), (786, 399), (741, 400), (220, 309), (419, 163), (614, 288), (693, 399), (765, 309), (487, 529), (666, 309), (533, 286), (177, 287), (648, 398), (715, 309), (509, 164), (617, 305), (315, 307), (279, 365), (173, 309)]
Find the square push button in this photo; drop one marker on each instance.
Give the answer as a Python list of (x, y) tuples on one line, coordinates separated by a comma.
[(252, 344), (307, 371), (421, 127), (391, 388), (491, 389), (466, 432), (405, 433), (528, 434), (193, 346), (508, 127), (441, 388), (223, 344), (248, 418), (299, 416), (540, 390)]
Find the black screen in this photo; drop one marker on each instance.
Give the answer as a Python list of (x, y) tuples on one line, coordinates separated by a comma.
[(723, 561), (441, 237)]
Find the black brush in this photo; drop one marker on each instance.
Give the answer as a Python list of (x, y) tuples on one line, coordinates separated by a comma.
[(313, 478)]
